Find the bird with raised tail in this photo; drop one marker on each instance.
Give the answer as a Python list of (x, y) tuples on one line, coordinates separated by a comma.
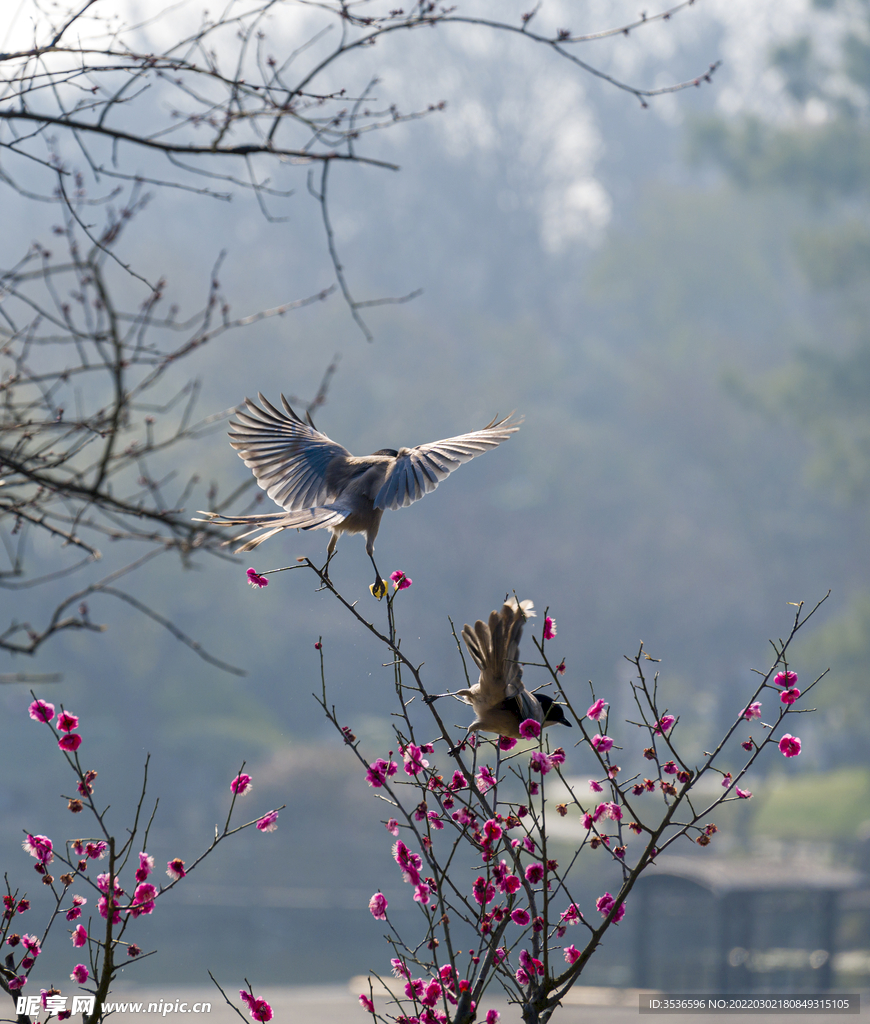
[(320, 485), (499, 699)]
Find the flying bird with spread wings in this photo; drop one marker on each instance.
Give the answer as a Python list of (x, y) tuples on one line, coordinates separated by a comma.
[(499, 699), (320, 485)]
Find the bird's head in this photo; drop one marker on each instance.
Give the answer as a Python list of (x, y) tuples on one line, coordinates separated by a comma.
[(553, 713)]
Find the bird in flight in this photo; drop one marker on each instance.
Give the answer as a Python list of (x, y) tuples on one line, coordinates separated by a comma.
[(320, 485), (499, 699)]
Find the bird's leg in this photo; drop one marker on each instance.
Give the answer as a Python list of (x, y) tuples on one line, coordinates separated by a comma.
[(458, 747), (379, 585), (330, 551)]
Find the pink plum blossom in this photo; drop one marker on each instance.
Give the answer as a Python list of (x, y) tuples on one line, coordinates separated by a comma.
[(786, 679), (268, 823), (602, 743), (663, 724), (41, 711), (492, 831), (146, 866), (241, 784), (604, 904), (366, 1003), (410, 863), (572, 954), (97, 850), (255, 580), (492, 1017), (400, 580), (39, 847), (549, 628), (530, 963), (520, 917), (609, 810), (413, 758), (572, 915), (596, 787), (790, 746), (175, 869), (15, 984), (485, 779), (79, 935), (103, 909), (392, 827), (378, 906), (510, 885), (74, 913), (70, 743), (596, 712), (378, 772), (414, 988), (753, 711), (506, 743), (103, 884), (790, 696), (259, 1009), (534, 873), (483, 891), (143, 899), (66, 722), (744, 794), (432, 993), (80, 974), (540, 762), (421, 893), (530, 729)]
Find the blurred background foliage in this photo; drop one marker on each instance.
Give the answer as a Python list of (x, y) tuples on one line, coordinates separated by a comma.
[(689, 344)]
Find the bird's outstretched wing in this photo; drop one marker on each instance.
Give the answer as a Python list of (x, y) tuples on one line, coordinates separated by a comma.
[(417, 471), (288, 456)]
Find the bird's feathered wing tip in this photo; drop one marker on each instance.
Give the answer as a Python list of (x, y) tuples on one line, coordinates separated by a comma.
[(417, 471), (288, 456)]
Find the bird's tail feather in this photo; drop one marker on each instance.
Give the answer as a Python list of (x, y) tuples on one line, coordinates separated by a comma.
[(318, 518), (495, 649)]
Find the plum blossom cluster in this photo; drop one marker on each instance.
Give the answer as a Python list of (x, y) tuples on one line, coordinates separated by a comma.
[(427, 993), (70, 741), (509, 899), (115, 904), (259, 1009), (410, 864)]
